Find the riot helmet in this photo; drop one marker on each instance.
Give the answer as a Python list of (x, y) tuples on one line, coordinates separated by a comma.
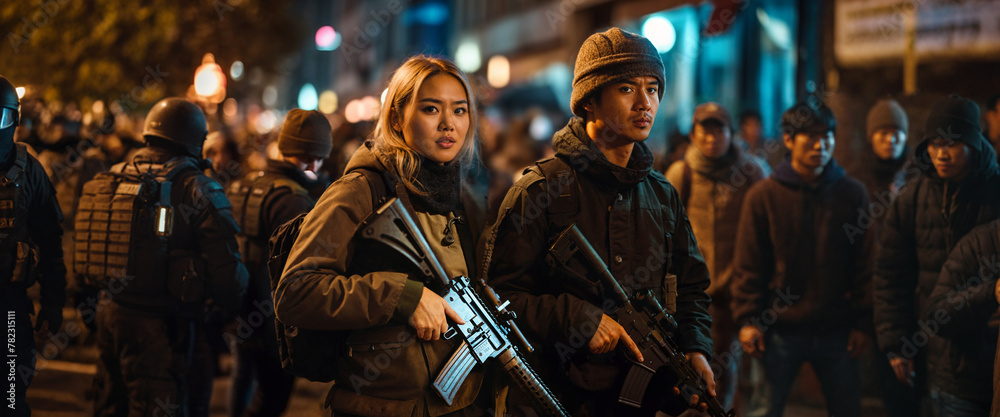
[(178, 121), (8, 104)]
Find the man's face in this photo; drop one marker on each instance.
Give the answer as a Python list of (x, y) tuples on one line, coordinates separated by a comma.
[(214, 148), (751, 131), (625, 110), (305, 162), (711, 137), (889, 143), (950, 158), (810, 150)]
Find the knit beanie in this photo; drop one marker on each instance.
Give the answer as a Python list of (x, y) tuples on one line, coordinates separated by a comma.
[(887, 113), (305, 132), (611, 56), (955, 118)]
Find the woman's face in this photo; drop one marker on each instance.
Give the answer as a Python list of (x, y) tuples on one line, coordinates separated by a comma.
[(437, 119)]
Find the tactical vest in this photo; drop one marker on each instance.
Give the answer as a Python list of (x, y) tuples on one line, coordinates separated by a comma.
[(247, 197), (123, 227), (18, 258)]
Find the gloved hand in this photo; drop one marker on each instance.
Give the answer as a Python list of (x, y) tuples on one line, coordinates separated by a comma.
[(49, 318)]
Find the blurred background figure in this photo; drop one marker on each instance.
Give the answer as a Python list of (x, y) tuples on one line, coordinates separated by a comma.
[(991, 114)]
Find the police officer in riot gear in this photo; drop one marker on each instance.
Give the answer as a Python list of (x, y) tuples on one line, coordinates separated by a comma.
[(30, 251), (263, 201), (183, 268)]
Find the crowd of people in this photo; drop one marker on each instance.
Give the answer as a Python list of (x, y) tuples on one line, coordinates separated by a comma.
[(767, 253)]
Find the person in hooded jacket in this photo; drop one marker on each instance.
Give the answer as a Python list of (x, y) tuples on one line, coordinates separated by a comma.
[(423, 140), (630, 214), (800, 283), (964, 307), (957, 190), (713, 180)]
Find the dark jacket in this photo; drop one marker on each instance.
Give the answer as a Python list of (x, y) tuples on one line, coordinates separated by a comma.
[(285, 195), (794, 256), (333, 281), (44, 229), (204, 229), (960, 308), (635, 221), (921, 228), (882, 178)]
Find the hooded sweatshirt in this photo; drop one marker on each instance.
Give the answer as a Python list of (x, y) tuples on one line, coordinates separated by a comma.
[(797, 265)]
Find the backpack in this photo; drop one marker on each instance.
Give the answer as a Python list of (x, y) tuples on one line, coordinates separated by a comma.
[(311, 354), (123, 223)]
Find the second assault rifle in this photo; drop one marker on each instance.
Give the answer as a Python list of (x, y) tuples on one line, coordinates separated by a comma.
[(647, 323), (488, 327)]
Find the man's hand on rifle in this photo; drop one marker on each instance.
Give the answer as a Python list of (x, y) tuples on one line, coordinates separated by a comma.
[(430, 319), (608, 333), (752, 340), (700, 365)]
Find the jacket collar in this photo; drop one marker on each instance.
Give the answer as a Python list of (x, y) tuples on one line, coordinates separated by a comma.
[(573, 144), (785, 174)]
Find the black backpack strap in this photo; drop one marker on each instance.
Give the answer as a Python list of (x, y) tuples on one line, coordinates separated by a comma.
[(20, 163), (563, 189)]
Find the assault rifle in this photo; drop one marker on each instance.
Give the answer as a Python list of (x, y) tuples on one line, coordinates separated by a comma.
[(649, 326), (488, 327)]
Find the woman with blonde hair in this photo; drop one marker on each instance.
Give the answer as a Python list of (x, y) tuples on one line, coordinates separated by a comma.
[(393, 326)]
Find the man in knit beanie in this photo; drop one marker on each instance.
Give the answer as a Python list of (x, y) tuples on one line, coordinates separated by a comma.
[(602, 180), (881, 170), (958, 188), (263, 201)]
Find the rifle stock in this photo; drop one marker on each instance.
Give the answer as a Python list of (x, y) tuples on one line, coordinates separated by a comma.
[(649, 326), (488, 327)]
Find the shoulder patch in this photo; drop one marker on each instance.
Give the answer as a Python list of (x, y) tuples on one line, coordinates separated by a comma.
[(211, 190)]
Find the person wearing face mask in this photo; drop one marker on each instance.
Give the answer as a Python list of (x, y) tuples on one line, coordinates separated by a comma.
[(713, 180), (263, 201), (956, 190), (30, 251), (800, 283), (421, 147)]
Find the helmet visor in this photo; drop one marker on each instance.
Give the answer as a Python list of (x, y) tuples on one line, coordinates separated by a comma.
[(8, 117)]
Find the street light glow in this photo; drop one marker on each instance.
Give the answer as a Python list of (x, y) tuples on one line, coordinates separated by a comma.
[(660, 32), (467, 56), (498, 71), (307, 97)]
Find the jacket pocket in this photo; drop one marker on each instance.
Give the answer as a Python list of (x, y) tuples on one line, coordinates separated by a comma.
[(385, 362)]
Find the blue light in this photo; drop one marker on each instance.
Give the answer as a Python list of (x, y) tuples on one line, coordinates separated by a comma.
[(430, 13), (308, 99)]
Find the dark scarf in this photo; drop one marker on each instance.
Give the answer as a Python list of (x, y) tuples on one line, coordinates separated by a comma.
[(442, 184)]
